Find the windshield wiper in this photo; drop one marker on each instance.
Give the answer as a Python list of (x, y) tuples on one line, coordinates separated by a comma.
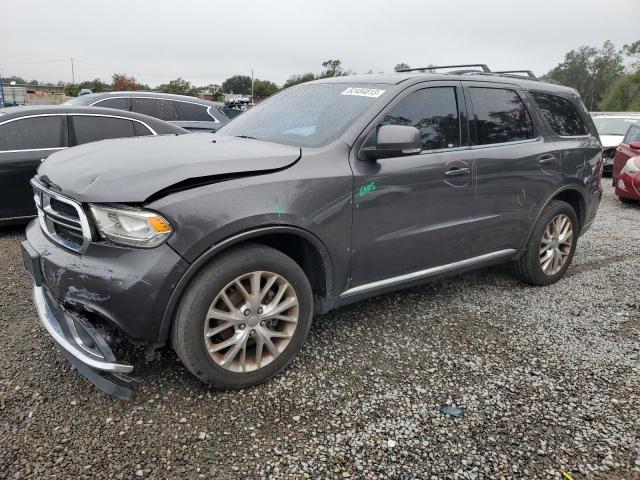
[(246, 136)]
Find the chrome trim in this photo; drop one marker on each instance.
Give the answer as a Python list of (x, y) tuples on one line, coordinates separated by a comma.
[(95, 104), (33, 150), (52, 325), (429, 272), (48, 217), (113, 116)]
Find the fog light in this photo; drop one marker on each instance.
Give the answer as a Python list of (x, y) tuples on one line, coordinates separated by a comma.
[(621, 185)]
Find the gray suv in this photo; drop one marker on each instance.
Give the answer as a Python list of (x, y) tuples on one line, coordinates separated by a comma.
[(226, 245)]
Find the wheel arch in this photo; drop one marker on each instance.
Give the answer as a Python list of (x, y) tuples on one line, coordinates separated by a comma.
[(569, 194), (302, 246)]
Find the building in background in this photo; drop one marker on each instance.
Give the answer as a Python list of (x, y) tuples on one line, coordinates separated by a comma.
[(17, 94)]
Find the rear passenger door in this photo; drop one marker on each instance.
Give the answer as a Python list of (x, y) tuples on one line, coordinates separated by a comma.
[(516, 167), (196, 117)]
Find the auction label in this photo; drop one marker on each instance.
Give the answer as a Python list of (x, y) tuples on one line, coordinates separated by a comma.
[(363, 92)]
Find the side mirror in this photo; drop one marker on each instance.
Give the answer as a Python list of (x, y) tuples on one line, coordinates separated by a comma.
[(395, 141), (635, 145)]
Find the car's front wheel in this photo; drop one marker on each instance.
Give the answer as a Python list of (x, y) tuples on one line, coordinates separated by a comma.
[(243, 317), (551, 246)]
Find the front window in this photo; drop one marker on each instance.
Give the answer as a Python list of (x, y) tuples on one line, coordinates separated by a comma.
[(614, 125), (306, 115)]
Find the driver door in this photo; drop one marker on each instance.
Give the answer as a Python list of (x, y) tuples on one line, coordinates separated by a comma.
[(413, 212)]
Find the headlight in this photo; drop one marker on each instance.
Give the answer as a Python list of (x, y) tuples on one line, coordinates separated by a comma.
[(133, 227), (632, 165)]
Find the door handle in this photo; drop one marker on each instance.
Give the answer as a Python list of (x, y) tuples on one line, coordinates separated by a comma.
[(456, 172), (546, 159)]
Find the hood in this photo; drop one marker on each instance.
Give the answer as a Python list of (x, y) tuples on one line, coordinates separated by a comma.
[(133, 169), (609, 141)]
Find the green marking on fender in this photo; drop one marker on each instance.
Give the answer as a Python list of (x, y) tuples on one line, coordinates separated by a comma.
[(276, 206), (370, 187)]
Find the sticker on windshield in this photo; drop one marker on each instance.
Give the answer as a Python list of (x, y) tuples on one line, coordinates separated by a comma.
[(363, 92)]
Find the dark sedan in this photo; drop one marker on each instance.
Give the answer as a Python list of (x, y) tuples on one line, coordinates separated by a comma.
[(194, 114), (30, 134)]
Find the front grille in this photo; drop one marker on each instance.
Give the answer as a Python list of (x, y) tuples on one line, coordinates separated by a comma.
[(62, 218), (65, 208)]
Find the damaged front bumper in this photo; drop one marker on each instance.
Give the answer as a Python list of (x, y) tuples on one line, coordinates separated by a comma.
[(84, 346), (85, 300)]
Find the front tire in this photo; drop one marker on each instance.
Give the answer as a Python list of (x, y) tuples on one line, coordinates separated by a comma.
[(627, 200), (243, 317), (551, 246)]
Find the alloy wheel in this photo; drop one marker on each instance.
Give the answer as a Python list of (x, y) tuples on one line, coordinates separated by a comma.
[(556, 244), (251, 321)]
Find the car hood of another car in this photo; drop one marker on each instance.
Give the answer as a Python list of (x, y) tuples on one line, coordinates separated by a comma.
[(133, 169), (609, 141)]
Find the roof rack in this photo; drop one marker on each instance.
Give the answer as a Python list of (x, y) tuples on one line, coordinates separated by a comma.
[(528, 73), (438, 67)]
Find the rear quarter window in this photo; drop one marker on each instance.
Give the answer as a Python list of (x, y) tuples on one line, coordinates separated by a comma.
[(561, 113)]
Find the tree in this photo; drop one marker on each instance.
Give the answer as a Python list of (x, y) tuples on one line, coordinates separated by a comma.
[(299, 78), (623, 95), (332, 68), (71, 89), (590, 71), (264, 88), (96, 85), (122, 82), (633, 51), (212, 89), (179, 87), (401, 66), (239, 84)]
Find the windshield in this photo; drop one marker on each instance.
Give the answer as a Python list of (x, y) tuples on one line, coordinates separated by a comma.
[(614, 125), (306, 115)]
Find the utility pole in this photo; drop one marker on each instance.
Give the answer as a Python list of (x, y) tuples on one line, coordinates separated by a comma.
[(73, 74), (252, 86)]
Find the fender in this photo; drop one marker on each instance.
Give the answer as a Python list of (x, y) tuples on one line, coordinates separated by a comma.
[(551, 197), (167, 317)]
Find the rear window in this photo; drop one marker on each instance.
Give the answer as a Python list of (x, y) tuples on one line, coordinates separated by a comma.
[(500, 116), (32, 133), (561, 113), (155, 107), (90, 129), (192, 112)]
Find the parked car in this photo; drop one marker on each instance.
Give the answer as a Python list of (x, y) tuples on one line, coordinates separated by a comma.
[(626, 166), (628, 181), (628, 147), (191, 113), (29, 134), (612, 127), (324, 194)]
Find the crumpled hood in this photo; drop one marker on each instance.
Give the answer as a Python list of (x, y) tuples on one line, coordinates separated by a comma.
[(133, 169), (609, 141)]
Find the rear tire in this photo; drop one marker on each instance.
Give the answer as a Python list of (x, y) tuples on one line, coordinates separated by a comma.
[(230, 312), (551, 246), (627, 200)]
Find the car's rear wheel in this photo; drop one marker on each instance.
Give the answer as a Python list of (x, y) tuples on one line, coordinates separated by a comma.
[(243, 317), (551, 246)]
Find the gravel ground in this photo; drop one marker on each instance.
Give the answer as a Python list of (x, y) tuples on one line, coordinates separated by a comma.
[(547, 380)]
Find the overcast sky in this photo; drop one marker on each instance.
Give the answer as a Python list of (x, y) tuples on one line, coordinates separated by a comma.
[(207, 41)]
